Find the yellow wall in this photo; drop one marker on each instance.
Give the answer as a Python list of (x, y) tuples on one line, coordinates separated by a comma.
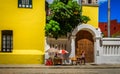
[(22, 57), (28, 31), (92, 13)]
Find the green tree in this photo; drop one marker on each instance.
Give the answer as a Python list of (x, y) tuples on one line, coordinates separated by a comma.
[(68, 14), (52, 29)]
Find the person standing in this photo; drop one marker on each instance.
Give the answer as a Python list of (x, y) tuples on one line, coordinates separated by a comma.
[(83, 57)]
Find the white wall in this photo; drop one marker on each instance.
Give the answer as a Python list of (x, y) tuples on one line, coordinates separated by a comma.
[(110, 51), (60, 43)]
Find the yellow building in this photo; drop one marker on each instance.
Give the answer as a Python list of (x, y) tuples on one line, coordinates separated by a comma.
[(92, 12), (22, 35), (90, 8)]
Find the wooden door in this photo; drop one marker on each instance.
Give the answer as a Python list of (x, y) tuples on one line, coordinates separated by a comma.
[(84, 41)]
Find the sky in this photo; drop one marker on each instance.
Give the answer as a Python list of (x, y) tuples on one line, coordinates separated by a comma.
[(115, 10), (49, 1)]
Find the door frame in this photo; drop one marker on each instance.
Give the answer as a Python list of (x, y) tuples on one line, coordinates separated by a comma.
[(96, 33), (81, 32)]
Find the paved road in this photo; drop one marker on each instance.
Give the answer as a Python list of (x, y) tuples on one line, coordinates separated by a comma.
[(58, 71)]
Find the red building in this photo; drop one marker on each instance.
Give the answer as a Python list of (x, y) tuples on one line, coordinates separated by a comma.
[(114, 28)]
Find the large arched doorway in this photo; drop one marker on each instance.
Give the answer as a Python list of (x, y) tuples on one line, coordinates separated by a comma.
[(84, 41)]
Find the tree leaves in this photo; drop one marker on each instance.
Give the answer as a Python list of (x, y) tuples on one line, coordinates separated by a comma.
[(65, 16), (52, 28), (85, 19)]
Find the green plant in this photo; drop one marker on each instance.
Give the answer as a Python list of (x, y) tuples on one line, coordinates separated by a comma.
[(68, 14)]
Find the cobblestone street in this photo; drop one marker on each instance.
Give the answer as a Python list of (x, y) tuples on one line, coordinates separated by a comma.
[(59, 71), (37, 69)]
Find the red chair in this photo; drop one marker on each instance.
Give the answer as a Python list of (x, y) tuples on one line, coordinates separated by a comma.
[(49, 62)]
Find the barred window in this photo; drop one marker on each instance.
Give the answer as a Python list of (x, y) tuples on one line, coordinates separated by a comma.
[(25, 3), (7, 40)]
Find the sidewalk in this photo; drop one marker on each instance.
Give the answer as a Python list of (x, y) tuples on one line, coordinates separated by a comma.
[(37, 66)]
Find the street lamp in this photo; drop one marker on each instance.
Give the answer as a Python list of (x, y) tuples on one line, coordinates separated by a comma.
[(108, 18)]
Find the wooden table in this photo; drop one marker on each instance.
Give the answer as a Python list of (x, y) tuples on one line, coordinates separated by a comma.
[(57, 61), (74, 60)]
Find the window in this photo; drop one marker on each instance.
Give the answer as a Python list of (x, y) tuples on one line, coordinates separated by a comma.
[(25, 3), (7, 40), (89, 1)]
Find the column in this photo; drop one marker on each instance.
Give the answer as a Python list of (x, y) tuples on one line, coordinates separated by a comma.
[(72, 53), (46, 48), (98, 50)]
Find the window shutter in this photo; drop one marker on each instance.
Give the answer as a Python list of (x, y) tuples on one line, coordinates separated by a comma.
[(30, 3), (19, 3)]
